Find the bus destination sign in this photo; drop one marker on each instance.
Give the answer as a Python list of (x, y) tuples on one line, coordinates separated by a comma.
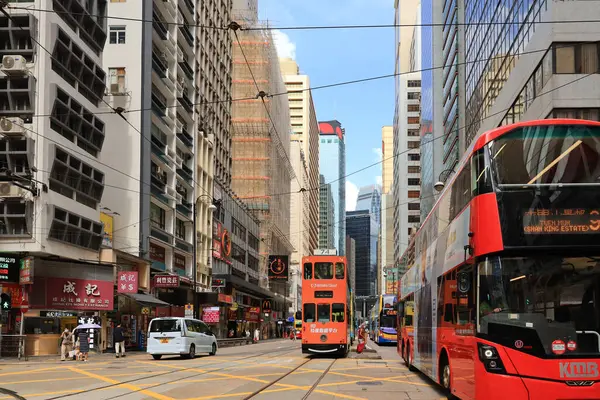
[(561, 221)]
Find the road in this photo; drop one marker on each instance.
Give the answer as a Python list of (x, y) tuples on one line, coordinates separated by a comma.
[(266, 371)]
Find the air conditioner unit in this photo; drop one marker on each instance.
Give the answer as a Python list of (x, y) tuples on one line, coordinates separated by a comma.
[(7, 189), (14, 65), (13, 126)]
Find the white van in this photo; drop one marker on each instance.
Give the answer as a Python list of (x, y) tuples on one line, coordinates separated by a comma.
[(180, 336)]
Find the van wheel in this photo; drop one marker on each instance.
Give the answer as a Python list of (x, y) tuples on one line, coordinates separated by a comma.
[(214, 350), (192, 353), (157, 356)]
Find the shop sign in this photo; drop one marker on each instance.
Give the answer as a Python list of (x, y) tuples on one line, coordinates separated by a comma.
[(251, 317), (10, 265), (278, 267), (234, 306), (266, 306), (107, 236), (189, 310), (127, 282), (216, 248), (217, 283), (225, 298), (211, 315), (79, 294), (166, 281), (57, 314), (157, 253), (145, 311), (179, 261), (254, 310), (89, 320), (26, 271)]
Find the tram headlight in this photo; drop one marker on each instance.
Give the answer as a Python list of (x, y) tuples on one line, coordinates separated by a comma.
[(323, 338), (490, 358)]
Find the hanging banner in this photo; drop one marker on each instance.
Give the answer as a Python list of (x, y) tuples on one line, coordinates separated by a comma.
[(278, 268), (26, 271)]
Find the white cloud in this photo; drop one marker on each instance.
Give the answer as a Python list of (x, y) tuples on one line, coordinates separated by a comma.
[(285, 47), (351, 195), (378, 153)]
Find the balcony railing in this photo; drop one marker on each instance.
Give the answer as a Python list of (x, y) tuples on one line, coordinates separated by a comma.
[(185, 32), (160, 28), (190, 6), (185, 208), (186, 138), (184, 245), (159, 65), (187, 70), (186, 173), (159, 105), (186, 103)]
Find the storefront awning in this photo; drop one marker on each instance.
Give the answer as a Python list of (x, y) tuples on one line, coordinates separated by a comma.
[(147, 300)]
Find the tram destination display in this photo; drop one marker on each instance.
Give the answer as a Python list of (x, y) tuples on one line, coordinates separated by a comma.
[(541, 221)]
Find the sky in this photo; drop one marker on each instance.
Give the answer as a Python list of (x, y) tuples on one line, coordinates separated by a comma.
[(338, 55)]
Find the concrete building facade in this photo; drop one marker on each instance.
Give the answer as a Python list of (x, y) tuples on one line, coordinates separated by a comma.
[(326, 215)]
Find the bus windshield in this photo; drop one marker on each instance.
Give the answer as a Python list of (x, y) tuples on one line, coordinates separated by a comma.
[(543, 305), (547, 155), (388, 321)]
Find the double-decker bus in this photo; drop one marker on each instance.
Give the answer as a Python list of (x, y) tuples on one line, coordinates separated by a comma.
[(504, 273), (383, 320), (326, 305)]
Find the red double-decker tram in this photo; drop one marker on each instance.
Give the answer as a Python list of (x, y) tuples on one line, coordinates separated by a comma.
[(326, 311), (504, 273)]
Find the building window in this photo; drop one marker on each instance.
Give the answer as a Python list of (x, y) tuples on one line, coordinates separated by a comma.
[(411, 144), (576, 59), (413, 132), (253, 242), (414, 83), (413, 95), (414, 219), (238, 254), (413, 108), (180, 229), (414, 206), (414, 169), (117, 35), (252, 263), (413, 120), (74, 229), (238, 229), (414, 181), (413, 194), (117, 80), (157, 216), (414, 157), (590, 114), (16, 217)]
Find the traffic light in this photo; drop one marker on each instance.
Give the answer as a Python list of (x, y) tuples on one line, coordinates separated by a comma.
[(5, 302)]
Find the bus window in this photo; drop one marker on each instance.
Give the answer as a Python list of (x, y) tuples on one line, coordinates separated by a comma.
[(309, 312), (324, 270), (307, 271), (323, 311), (337, 312), (339, 270)]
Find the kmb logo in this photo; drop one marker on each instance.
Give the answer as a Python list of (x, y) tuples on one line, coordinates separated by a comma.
[(578, 370)]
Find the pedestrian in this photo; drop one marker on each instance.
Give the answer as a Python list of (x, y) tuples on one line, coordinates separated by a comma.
[(119, 341), (84, 344), (66, 344), (293, 335), (256, 335)]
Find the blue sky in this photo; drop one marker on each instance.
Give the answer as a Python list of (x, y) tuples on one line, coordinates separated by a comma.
[(330, 56)]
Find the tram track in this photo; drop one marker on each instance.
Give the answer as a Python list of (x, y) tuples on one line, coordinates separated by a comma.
[(175, 371), (290, 372)]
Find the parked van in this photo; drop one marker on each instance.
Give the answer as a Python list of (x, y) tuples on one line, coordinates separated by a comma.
[(180, 336)]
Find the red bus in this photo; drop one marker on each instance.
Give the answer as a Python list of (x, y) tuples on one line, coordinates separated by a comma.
[(504, 273), (325, 305)]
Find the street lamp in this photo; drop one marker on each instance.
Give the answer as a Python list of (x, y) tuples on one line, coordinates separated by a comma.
[(442, 178), (212, 208)]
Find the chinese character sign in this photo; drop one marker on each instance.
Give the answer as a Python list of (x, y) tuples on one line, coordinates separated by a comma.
[(79, 294), (127, 282), (166, 281), (210, 315)]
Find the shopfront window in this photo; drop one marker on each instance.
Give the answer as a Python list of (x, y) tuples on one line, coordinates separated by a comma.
[(309, 312), (324, 270), (323, 312)]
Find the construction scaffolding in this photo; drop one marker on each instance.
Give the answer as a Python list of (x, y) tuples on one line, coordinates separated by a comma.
[(261, 170)]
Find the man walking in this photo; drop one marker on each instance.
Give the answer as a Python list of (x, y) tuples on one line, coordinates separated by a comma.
[(119, 341)]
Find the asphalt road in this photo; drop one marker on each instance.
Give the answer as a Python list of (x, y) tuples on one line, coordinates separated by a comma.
[(271, 370)]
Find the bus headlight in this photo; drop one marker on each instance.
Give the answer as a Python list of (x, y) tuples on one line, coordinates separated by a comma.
[(323, 338), (490, 358)]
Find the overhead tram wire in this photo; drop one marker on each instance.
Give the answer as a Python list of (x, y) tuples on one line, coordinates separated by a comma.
[(306, 27)]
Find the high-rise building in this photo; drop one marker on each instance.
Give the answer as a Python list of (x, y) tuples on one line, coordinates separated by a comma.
[(305, 160), (549, 81), (161, 78), (369, 198), (332, 165), (387, 155), (262, 170), (351, 261), (386, 243), (408, 139), (362, 227), (326, 215)]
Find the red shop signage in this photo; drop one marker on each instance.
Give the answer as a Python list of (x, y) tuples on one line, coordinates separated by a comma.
[(225, 298), (79, 294), (166, 281), (254, 310), (127, 282), (157, 253)]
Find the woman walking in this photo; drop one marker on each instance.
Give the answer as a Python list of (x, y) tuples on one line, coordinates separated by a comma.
[(84, 344), (66, 344)]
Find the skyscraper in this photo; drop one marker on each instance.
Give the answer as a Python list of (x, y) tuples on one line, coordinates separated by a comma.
[(369, 198), (326, 215), (387, 155), (362, 227), (386, 242), (332, 165)]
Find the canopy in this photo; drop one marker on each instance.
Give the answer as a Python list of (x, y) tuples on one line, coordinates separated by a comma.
[(147, 300)]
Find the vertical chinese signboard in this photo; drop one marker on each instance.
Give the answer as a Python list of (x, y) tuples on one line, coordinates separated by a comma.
[(26, 271), (127, 282)]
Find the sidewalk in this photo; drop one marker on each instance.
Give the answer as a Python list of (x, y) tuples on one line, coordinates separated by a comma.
[(368, 353)]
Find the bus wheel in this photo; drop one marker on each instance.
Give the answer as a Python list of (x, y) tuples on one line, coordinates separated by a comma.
[(408, 359), (445, 374)]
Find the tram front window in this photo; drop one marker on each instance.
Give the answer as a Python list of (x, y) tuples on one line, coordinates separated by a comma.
[(544, 302)]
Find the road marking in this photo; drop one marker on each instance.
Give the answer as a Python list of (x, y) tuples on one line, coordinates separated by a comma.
[(128, 386), (29, 372), (343, 396), (41, 380), (45, 394)]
